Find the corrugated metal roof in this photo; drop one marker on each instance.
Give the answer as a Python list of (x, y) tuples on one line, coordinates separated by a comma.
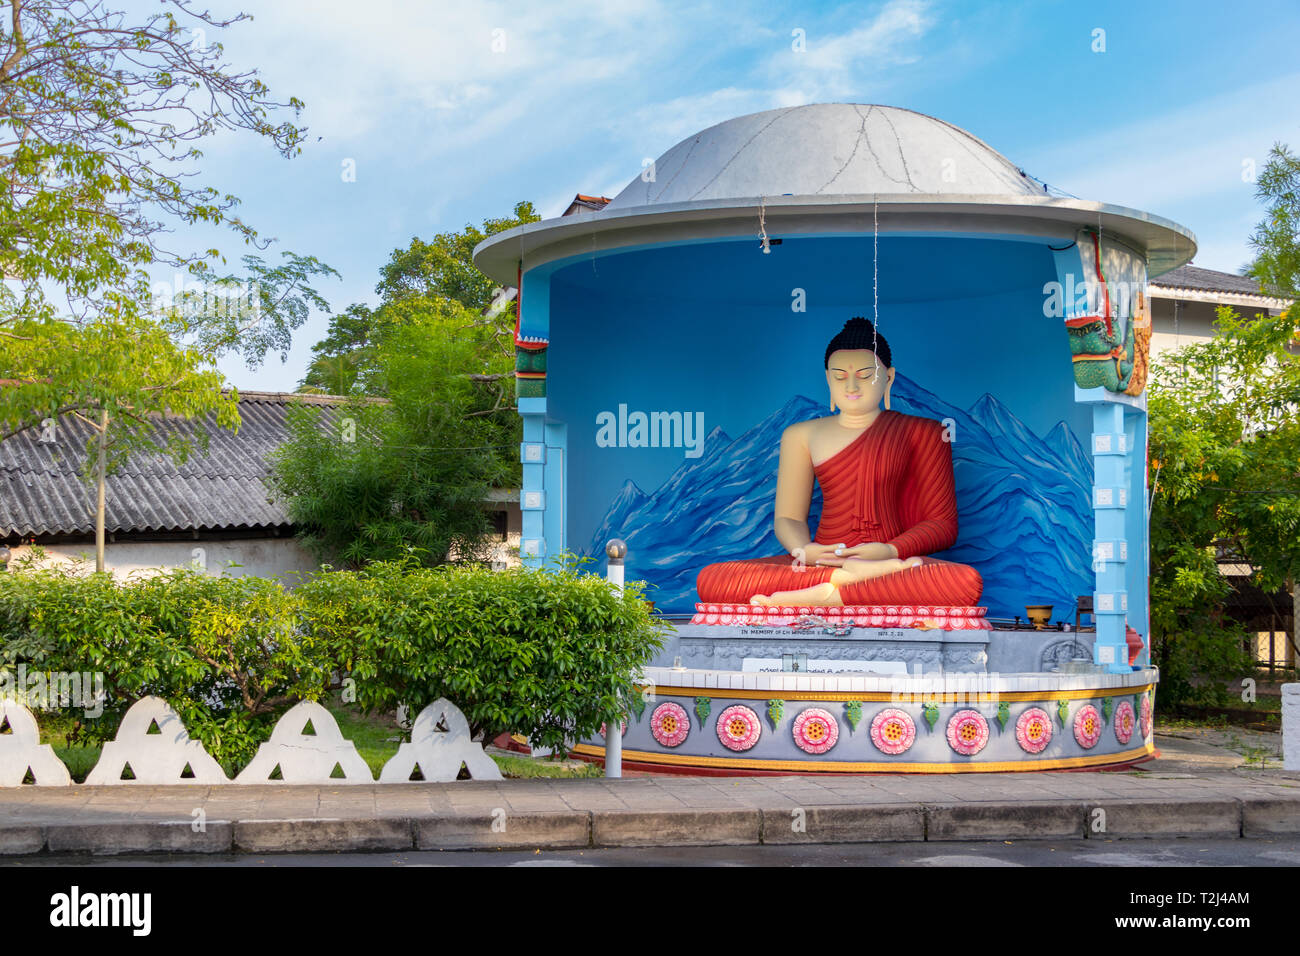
[(1208, 280), (41, 491)]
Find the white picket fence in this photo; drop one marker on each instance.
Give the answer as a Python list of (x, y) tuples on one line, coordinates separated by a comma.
[(306, 747)]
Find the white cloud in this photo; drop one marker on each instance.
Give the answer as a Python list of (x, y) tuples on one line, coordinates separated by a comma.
[(442, 67), (1185, 164), (833, 66)]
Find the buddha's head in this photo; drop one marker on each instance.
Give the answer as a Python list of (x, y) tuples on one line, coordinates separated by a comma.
[(859, 370)]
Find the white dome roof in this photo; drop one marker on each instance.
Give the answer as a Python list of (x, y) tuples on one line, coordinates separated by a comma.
[(827, 149), (828, 168)]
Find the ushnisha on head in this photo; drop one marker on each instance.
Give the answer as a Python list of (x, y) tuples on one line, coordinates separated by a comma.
[(859, 368)]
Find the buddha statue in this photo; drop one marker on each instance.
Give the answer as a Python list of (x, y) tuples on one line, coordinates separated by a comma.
[(888, 501)]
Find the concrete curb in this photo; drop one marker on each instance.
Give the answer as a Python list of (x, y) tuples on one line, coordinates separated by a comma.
[(887, 824), (729, 827), (1269, 816), (1139, 819), (480, 828), (21, 840), (517, 830), (328, 836), (107, 839), (1028, 820)]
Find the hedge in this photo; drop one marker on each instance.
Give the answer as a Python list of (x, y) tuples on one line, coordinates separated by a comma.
[(548, 654)]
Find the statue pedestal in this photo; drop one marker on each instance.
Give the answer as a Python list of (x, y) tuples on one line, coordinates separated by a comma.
[(823, 697), (837, 649)]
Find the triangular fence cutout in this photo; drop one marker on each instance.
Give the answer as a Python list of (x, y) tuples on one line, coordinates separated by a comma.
[(24, 760), (416, 773), (442, 748), (187, 773), (307, 747), (152, 747)]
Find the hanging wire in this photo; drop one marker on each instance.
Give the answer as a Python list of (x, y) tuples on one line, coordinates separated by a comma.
[(875, 274), (1049, 190)]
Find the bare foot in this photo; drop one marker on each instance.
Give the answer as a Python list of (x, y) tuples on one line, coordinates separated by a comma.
[(818, 595)]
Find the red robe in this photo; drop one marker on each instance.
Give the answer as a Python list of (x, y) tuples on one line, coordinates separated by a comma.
[(892, 483)]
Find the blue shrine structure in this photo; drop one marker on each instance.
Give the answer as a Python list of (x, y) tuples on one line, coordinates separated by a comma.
[(667, 352)]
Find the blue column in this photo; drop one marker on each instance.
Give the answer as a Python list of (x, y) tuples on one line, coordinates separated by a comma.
[(532, 498), (541, 491), (1110, 454)]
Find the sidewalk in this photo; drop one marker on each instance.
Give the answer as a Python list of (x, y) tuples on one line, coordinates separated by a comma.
[(1195, 789)]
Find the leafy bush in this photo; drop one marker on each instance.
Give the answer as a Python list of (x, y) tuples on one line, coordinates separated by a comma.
[(1224, 441), (549, 654), (229, 654)]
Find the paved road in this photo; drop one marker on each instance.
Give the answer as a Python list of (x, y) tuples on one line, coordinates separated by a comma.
[(1278, 852)]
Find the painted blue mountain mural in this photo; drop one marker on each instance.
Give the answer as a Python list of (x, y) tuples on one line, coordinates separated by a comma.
[(1023, 506)]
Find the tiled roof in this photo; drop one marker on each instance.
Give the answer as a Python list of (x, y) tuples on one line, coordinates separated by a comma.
[(1207, 280), (41, 491), (581, 203)]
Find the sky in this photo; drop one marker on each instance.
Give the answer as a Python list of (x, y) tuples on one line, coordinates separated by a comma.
[(426, 116)]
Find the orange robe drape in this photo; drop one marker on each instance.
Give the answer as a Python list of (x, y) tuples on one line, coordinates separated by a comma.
[(893, 483)]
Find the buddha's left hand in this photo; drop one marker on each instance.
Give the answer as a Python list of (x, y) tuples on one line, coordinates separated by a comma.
[(871, 551)]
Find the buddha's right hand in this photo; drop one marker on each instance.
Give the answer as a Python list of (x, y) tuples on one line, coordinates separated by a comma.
[(812, 555)]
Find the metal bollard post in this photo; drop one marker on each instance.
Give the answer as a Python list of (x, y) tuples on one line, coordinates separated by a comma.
[(1291, 726), (616, 551)]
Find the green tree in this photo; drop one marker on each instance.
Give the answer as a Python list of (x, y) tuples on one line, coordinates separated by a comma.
[(99, 124), (344, 354), (410, 472), (1225, 460), (447, 431), (1276, 240), (445, 266), (426, 280), (99, 121)]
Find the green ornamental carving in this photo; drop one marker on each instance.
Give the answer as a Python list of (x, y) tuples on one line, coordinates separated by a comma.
[(853, 714), (1102, 356), (1107, 708), (530, 372), (931, 714), (636, 702), (703, 706), (1063, 711), (1004, 714), (775, 710)]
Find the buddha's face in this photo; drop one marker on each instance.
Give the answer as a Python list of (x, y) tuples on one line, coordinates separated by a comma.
[(857, 380)]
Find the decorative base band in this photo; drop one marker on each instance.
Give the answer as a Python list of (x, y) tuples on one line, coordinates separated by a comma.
[(1094, 762), (922, 618), (958, 723)]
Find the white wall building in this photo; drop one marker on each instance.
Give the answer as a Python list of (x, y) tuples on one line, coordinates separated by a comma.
[(214, 511)]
